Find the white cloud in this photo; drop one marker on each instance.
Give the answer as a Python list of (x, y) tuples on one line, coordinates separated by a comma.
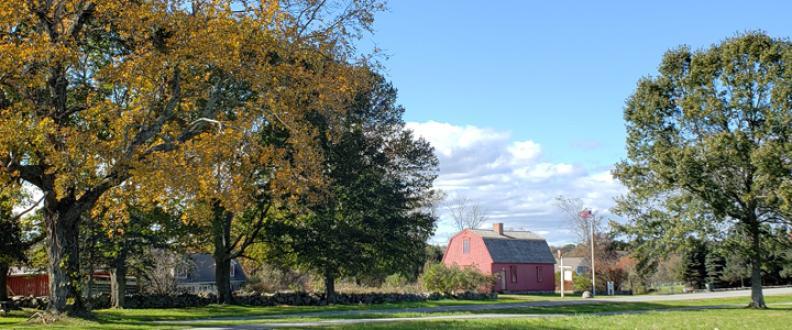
[(524, 150), (511, 179), (448, 139), (542, 171)]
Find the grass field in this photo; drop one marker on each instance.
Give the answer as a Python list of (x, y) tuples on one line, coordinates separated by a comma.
[(735, 318), (643, 315)]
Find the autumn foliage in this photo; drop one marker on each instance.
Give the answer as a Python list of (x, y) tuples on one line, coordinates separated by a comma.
[(205, 109)]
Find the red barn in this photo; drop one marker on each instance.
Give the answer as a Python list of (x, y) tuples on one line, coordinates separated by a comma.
[(25, 283), (520, 260)]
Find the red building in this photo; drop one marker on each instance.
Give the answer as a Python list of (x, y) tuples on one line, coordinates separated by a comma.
[(34, 285), (520, 260)]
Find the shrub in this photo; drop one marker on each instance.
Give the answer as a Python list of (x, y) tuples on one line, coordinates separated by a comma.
[(438, 277), (395, 281), (581, 283), (270, 279)]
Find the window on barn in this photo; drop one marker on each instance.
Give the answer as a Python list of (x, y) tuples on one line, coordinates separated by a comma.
[(513, 271), (538, 273), (466, 246)]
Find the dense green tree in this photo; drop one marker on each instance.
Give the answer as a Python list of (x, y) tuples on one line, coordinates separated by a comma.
[(694, 270), (777, 269), (17, 232), (736, 269), (373, 217), (123, 229), (12, 244), (711, 133), (713, 264), (434, 253)]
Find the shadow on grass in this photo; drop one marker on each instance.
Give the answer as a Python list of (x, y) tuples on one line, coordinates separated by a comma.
[(218, 315)]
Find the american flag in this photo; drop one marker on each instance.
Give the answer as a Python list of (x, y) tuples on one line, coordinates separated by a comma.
[(586, 214)]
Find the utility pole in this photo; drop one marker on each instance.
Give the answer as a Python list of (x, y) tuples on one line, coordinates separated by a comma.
[(593, 273), (587, 215)]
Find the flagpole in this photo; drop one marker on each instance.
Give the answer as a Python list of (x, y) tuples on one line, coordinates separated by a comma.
[(561, 258), (593, 276)]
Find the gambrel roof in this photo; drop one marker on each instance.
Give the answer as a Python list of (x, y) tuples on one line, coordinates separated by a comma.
[(519, 247)]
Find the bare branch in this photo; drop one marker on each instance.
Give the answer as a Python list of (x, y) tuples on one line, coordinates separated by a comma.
[(83, 15), (466, 213), (31, 208), (250, 237), (147, 132)]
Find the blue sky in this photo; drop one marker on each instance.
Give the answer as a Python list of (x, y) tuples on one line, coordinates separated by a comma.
[(544, 75)]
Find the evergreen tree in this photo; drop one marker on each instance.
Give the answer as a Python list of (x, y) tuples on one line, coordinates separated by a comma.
[(713, 264), (374, 216)]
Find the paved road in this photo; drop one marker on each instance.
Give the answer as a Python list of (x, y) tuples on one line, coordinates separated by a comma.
[(703, 295), (478, 308)]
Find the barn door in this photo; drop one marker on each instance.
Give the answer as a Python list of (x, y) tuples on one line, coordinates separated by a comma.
[(503, 280)]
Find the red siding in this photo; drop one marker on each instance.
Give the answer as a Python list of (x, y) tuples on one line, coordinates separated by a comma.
[(28, 285), (528, 277), (478, 255)]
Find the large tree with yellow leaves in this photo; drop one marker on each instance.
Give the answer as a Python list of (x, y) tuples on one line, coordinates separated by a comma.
[(90, 91)]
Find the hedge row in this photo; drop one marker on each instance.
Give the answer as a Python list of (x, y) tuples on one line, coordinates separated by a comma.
[(292, 299)]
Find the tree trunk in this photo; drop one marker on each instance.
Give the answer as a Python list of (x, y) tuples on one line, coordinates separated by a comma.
[(63, 254), (73, 273), (4, 281), (56, 255), (757, 298), (223, 280), (118, 280), (329, 287), (221, 229)]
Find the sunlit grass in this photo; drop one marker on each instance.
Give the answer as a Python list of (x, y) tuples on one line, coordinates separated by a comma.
[(582, 313)]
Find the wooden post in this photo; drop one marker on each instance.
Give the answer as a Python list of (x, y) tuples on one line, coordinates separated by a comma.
[(562, 272)]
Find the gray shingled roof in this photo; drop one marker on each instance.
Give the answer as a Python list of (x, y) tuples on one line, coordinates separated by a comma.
[(203, 269), (522, 234), (516, 247)]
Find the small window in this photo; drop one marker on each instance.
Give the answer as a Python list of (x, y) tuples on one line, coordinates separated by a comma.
[(539, 273), (513, 271), (466, 246), (232, 273)]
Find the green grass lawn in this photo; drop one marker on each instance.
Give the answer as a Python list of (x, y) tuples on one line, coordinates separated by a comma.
[(168, 318), (734, 318), (109, 318), (217, 311)]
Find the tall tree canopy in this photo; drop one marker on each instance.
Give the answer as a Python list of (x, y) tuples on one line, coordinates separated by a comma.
[(708, 142), (374, 214), (90, 91)]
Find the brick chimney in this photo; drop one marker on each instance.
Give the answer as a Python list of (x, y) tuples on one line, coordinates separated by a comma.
[(498, 228)]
